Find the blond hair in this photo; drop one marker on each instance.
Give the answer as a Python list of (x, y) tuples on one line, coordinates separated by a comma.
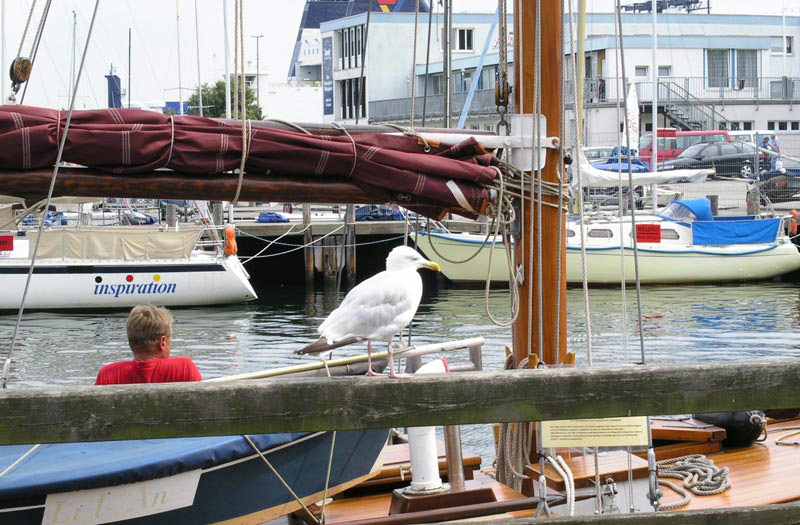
[(146, 323)]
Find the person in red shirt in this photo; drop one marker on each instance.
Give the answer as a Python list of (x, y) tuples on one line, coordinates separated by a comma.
[(150, 338)]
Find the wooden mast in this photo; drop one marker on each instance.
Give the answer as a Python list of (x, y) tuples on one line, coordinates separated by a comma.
[(552, 54)]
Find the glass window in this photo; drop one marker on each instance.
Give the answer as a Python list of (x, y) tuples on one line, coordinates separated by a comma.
[(693, 151), (795, 125), (776, 45), (667, 233), (642, 71), (727, 149), (603, 233), (782, 125), (718, 66), (746, 67), (570, 233), (463, 40), (665, 71)]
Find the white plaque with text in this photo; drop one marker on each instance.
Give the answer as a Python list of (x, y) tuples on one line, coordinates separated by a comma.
[(109, 504)]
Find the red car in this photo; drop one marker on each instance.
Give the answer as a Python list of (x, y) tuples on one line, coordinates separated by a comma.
[(672, 142)]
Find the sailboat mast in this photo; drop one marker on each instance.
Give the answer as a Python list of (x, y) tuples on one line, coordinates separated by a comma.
[(580, 61), (197, 50), (178, 32), (554, 288), (227, 53), (3, 50), (654, 167)]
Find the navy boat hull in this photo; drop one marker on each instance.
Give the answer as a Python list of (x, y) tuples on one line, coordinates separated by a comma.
[(241, 491)]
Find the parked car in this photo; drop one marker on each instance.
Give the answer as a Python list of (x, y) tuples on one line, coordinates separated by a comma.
[(779, 187), (729, 159), (672, 142), (598, 153)]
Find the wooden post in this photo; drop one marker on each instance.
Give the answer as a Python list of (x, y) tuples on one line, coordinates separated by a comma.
[(172, 215), (330, 259), (524, 31), (350, 242), (308, 251), (714, 204), (216, 213)]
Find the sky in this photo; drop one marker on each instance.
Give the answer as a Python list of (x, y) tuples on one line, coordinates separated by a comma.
[(154, 42)]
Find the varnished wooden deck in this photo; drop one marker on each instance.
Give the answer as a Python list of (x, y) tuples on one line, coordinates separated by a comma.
[(761, 474), (377, 506)]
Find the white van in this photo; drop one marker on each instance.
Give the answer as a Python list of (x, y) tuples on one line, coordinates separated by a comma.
[(753, 136)]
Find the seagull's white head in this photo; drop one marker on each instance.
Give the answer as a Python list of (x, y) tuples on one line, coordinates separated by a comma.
[(405, 258)]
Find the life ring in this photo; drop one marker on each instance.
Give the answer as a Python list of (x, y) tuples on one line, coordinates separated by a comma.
[(230, 241)]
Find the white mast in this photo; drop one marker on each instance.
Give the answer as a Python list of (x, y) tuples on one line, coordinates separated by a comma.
[(180, 84), (3, 50), (654, 158), (227, 52), (197, 48)]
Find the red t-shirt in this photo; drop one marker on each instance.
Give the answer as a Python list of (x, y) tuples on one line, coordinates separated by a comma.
[(171, 370)]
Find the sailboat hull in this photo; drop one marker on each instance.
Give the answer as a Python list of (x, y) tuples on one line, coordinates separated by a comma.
[(243, 491), (658, 264)]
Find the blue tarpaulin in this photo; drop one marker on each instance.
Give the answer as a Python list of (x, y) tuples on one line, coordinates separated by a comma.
[(78, 466), (735, 232), (701, 208), (271, 216)]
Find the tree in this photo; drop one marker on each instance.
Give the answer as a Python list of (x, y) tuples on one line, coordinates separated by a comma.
[(214, 101)]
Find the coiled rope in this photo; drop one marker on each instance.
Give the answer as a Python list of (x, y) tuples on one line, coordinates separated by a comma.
[(699, 475)]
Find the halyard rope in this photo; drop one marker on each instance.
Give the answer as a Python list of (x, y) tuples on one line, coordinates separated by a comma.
[(699, 475)]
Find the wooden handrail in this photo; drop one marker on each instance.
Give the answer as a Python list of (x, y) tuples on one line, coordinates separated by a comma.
[(88, 413)]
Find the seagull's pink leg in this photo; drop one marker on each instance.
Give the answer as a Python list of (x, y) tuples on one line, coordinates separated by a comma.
[(391, 364), (369, 359)]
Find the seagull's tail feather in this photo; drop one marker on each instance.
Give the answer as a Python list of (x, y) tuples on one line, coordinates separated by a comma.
[(322, 345)]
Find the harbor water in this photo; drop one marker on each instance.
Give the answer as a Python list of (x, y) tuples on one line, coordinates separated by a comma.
[(681, 324)]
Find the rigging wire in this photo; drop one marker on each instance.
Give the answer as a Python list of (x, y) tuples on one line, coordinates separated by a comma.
[(631, 192), (7, 363), (37, 39), (581, 216), (362, 84), (414, 72), (427, 65)]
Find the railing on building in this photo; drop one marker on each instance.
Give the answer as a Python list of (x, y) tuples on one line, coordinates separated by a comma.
[(399, 109), (705, 89)]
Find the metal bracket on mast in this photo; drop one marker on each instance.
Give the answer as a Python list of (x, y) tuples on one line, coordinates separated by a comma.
[(521, 142)]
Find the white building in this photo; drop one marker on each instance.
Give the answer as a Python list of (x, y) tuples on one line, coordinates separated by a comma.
[(714, 70)]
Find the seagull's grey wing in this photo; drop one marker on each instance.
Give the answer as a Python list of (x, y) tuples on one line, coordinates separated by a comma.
[(377, 308)]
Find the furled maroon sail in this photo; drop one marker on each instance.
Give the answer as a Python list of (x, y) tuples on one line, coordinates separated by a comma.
[(123, 142)]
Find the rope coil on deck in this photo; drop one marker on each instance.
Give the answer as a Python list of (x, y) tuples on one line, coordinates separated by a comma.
[(699, 474)]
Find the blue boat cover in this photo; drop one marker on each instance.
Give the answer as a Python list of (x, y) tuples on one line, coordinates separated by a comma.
[(701, 208), (77, 466), (271, 216), (735, 232)]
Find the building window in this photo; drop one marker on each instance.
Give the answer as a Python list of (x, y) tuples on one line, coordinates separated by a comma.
[(783, 125), (776, 45), (718, 67), (665, 71), (642, 71), (435, 84), (746, 68), (350, 98), (462, 39)]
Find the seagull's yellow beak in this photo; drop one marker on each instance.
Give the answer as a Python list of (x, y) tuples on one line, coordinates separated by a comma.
[(433, 266)]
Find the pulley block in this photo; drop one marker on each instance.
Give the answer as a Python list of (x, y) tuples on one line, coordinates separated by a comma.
[(501, 93), (20, 70)]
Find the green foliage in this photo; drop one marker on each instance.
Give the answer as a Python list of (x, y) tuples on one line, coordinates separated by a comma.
[(214, 101)]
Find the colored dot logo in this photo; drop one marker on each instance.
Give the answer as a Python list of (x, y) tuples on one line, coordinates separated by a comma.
[(98, 279), (129, 278), (156, 278)]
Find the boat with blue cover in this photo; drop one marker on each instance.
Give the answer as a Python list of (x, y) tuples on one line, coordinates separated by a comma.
[(684, 243), (219, 480)]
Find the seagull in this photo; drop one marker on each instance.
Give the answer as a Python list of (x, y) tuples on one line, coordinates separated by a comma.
[(378, 308)]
